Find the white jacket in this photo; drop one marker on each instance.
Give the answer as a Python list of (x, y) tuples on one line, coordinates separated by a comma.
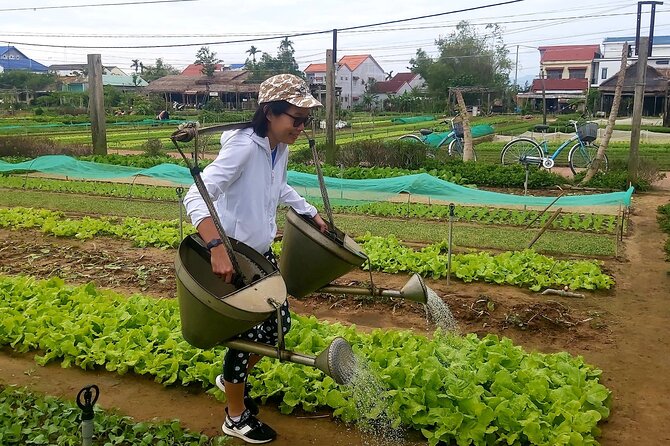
[(246, 189)]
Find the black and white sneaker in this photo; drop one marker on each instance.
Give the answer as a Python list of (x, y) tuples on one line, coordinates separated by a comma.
[(249, 403), (249, 429)]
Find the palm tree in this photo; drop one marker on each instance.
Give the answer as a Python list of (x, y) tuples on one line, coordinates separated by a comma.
[(285, 45), (389, 75), (252, 52), (135, 64)]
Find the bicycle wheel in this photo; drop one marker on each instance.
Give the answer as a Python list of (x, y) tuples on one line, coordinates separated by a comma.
[(580, 158), (456, 148), (518, 149), (416, 139), (411, 138)]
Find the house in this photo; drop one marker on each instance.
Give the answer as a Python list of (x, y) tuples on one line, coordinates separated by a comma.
[(79, 83), (196, 69), (567, 72), (353, 75), (13, 59), (196, 89), (609, 64), (77, 69), (655, 91), (398, 85)]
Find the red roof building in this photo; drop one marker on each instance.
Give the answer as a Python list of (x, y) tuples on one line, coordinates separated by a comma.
[(568, 72), (196, 69)]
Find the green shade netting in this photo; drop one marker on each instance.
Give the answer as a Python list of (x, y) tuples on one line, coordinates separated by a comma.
[(477, 132), (340, 191), (412, 120)]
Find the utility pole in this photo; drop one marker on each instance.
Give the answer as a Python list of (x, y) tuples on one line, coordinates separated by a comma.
[(330, 108), (643, 48), (516, 68), (96, 106), (544, 99), (638, 103)]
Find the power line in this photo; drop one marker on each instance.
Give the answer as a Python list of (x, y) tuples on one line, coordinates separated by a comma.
[(278, 36), (93, 5)]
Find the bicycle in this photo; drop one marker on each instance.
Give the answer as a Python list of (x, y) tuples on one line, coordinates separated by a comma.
[(455, 147), (527, 151)]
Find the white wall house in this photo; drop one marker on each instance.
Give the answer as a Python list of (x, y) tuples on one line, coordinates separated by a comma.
[(610, 62), (76, 69), (353, 75)]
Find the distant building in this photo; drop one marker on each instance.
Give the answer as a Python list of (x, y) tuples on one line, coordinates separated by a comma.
[(196, 69), (194, 90), (398, 85), (78, 69), (13, 59), (656, 89), (658, 75), (567, 72), (609, 64), (352, 76)]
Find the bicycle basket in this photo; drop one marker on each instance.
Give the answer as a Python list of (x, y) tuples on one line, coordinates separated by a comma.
[(588, 132), (458, 129)]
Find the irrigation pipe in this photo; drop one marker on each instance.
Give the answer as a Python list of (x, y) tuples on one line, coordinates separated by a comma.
[(451, 227), (546, 225), (545, 210)]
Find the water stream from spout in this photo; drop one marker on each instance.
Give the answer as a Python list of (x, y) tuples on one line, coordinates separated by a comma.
[(376, 416), (439, 312)]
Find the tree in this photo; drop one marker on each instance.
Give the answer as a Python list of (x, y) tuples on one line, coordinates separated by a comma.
[(252, 52), (160, 69), (618, 89), (135, 65), (25, 82), (467, 58), (268, 66), (208, 60), (468, 152), (389, 75)]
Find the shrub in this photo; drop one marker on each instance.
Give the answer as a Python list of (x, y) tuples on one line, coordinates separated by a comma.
[(373, 152), (153, 147), (31, 147), (617, 176)]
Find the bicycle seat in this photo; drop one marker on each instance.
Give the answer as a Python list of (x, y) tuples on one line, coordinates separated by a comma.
[(425, 132), (541, 128)]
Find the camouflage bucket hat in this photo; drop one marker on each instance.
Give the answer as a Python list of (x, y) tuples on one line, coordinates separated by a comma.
[(289, 88)]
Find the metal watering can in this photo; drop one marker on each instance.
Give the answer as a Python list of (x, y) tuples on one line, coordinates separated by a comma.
[(310, 260), (214, 312)]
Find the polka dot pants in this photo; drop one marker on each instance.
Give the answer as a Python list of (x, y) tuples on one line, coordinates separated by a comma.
[(235, 362)]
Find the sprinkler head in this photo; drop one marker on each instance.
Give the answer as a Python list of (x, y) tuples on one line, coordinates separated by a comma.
[(337, 361)]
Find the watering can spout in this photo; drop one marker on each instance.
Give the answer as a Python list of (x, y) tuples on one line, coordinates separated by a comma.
[(337, 361), (415, 289)]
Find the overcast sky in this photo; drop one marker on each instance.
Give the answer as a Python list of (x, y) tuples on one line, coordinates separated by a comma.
[(526, 25)]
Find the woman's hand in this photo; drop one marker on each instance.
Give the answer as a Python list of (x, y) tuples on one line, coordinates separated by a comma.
[(323, 227), (221, 264)]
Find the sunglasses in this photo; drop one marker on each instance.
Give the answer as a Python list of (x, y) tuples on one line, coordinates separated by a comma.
[(300, 120)]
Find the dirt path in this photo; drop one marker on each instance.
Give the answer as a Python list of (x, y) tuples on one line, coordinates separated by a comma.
[(635, 367), (624, 332)]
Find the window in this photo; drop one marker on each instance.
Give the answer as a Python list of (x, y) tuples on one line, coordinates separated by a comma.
[(554, 73), (603, 73), (577, 73)]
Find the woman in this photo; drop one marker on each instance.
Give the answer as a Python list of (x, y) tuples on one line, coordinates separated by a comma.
[(247, 182)]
